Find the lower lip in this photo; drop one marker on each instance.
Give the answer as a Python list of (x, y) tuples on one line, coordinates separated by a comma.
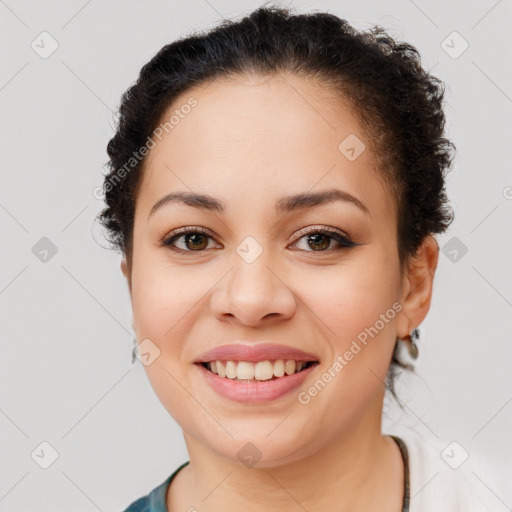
[(255, 391)]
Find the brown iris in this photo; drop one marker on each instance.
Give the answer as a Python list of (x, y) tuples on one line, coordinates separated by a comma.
[(316, 237), (196, 240)]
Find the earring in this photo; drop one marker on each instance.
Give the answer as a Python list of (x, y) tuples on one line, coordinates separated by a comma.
[(411, 339), (134, 350)]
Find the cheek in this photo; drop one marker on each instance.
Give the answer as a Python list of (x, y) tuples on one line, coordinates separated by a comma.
[(352, 298), (163, 300), (359, 306)]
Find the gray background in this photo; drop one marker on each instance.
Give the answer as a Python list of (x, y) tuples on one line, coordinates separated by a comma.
[(65, 371)]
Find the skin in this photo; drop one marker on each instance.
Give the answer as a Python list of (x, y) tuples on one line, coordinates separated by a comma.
[(250, 142)]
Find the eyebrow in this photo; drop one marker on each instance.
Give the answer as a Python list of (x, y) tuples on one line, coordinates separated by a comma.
[(283, 205)]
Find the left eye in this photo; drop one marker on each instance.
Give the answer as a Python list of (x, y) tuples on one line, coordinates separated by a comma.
[(321, 241)]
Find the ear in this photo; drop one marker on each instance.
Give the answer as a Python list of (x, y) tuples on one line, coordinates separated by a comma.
[(126, 272), (417, 286)]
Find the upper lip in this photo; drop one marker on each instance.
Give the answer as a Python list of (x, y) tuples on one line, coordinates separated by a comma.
[(251, 352)]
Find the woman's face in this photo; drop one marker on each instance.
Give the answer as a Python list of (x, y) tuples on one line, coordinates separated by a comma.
[(257, 276)]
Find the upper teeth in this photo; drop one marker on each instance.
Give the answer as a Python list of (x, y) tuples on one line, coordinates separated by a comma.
[(262, 370)]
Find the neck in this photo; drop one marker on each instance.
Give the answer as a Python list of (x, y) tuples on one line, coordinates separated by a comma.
[(361, 470)]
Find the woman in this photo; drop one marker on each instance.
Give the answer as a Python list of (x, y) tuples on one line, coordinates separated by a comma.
[(275, 187)]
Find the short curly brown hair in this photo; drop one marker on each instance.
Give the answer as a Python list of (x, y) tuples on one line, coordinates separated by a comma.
[(397, 102)]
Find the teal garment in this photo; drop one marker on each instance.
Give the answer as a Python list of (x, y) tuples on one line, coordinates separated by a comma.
[(155, 500)]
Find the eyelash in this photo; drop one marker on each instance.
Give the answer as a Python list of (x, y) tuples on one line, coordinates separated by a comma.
[(344, 241)]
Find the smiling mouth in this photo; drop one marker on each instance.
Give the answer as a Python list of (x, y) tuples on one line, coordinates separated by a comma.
[(257, 371)]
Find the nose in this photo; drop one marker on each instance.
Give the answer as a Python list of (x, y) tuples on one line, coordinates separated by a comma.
[(253, 294)]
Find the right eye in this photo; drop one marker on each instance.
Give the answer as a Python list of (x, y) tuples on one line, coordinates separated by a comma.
[(195, 239)]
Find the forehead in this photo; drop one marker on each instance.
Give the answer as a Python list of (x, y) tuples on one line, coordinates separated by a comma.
[(262, 137)]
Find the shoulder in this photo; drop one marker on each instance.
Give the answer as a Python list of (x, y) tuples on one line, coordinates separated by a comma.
[(151, 502), (155, 500), (441, 478), (139, 505)]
